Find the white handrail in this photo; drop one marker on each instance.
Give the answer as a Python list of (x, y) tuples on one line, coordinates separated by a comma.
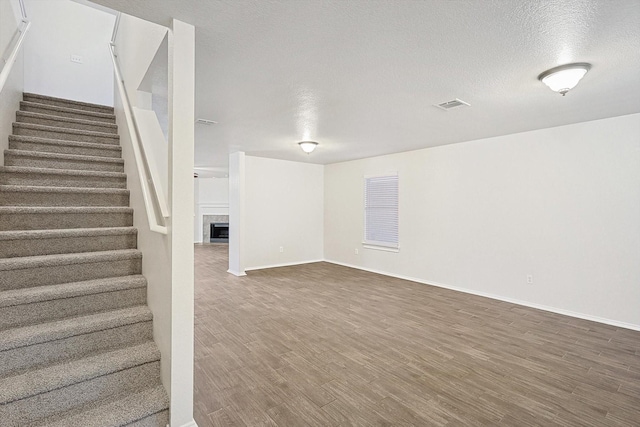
[(116, 25), (23, 11), (154, 201), (21, 32)]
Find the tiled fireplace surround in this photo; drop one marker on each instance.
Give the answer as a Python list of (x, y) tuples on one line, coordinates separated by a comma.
[(206, 224)]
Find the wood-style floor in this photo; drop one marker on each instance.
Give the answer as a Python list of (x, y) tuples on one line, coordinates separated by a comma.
[(324, 345)]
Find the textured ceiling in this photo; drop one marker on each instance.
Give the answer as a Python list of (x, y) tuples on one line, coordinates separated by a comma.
[(361, 76)]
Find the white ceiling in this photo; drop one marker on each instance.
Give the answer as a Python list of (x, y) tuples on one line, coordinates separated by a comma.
[(361, 76)]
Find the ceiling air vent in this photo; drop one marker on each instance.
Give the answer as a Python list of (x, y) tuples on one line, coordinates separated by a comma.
[(206, 122), (446, 106)]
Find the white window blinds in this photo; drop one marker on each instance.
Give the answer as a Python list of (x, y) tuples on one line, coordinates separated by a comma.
[(381, 210)]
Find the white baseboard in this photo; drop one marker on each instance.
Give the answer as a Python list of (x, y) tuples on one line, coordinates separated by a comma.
[(237, 273), (191, 423), (499, 298), (287, 264)]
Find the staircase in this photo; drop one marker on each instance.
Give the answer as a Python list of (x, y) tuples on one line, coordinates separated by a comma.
[(76, 345)]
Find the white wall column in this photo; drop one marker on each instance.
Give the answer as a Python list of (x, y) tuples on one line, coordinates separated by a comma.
[(197, 227), (181, 140), (236, 213)]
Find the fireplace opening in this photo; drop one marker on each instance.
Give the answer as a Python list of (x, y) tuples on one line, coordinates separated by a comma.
[(219, 232)]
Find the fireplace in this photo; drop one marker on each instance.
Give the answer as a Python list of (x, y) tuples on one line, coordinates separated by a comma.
[(219, 232), (207, 220)]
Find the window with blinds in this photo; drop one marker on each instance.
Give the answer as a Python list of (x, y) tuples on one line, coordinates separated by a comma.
[(381, 210)]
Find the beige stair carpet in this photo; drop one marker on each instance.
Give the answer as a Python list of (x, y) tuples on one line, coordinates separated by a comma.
[(76, 345)]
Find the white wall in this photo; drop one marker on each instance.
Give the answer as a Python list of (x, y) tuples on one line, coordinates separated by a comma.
[(212, 198), (156, 248), (167, 261), (10, 17), (213, 190), (11, 94), (156, 259), (137, 42), (560, 204), (59, 29), (283, 208)]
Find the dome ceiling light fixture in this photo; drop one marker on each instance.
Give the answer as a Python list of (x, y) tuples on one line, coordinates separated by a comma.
[(565, 77), (308, 146)]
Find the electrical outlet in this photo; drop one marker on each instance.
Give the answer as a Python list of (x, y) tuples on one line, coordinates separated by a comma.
[(530, 279), (356, 251), (76, 58), (281, 249)]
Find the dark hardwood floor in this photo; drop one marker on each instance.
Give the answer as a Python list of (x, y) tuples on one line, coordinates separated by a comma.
[(324, 345)]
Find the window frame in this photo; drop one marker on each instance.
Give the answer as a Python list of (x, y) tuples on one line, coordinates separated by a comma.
[(379, 244)]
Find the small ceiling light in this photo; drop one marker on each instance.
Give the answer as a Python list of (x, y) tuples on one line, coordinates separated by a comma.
[(565, 77), (308, 146)]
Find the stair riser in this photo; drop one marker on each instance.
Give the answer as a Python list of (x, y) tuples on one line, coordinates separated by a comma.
[(56, 221), (56, 274), (68, 125), (65, 136), (29, 314), (47, 180), (28, 198), (31, 409), (66, 104), (66, 245), (35, 162), (34, 356), (161, 419), (64, 149), (67, 114)]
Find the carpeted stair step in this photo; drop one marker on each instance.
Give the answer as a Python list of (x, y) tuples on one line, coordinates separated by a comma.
[(55, 389), (20, 175), (65, 122), (76, 336), (28, 306), (54, 132), (146, 408), (25, 195), (47, 218), (160, 419), (62, 161), (41, 270), (48, 242), (35, 346), (60, 102), (72, 113), (32, 143)]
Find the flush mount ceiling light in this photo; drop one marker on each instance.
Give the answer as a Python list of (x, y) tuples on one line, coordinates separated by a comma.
[(308, 146), (565, 77)]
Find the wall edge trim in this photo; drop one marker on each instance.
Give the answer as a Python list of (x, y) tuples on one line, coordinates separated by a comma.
[(286, 264), (213, 205), (237, 273)]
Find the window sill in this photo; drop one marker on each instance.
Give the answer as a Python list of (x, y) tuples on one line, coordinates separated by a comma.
[(380, 248)]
